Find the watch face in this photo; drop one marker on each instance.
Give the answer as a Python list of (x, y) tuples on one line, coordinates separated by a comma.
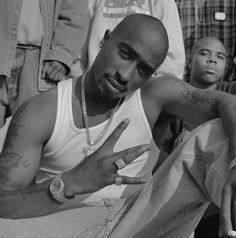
[(57, 184), (56, 187)]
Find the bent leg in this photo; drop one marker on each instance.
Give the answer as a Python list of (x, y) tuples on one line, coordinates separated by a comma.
[(173, 202)]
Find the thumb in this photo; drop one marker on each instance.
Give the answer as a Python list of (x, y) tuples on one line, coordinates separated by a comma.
[(44, 69)]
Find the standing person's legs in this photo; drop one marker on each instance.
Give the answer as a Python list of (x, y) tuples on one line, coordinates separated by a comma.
[(173, 202), (22, 85), (24, 76)]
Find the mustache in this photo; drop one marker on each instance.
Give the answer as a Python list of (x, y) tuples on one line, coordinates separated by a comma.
[(117, 79)]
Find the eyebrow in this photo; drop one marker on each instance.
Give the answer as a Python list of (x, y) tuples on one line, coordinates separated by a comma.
[(135, 54)]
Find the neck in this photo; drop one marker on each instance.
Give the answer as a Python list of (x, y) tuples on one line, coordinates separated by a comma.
[(92, 94), (96, 105), (202, 86)]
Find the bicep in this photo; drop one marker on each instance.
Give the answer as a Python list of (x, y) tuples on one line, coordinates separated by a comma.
[(192, 105), (21, 152), (18, 167)]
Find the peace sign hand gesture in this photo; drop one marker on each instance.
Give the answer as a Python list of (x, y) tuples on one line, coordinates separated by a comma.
[(100, 168)]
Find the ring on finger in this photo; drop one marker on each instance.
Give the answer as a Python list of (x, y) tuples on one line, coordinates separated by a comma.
[(118, 180), (120, 163)]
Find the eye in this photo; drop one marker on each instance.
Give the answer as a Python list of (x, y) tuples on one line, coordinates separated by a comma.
[(204, 52), (222, 57), (124, 53), (144, 71)]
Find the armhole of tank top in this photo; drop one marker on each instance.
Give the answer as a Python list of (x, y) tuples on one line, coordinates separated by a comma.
[(60, 108), (140, 103), (139, 99)]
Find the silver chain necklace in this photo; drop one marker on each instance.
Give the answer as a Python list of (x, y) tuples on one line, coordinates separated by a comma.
[(89, 149)]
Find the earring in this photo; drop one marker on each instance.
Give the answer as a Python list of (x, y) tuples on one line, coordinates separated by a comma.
[(101, 43)]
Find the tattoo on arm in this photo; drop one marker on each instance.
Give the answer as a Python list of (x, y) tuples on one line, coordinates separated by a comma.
[(15, 125), (199, 96), (26, 203), (8, 161)]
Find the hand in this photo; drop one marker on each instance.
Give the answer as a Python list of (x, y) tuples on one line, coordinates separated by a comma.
[(54, 70), (99, 170), (228, 206)]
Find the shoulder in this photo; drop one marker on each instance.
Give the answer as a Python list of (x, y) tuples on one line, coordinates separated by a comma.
[(160, 93), (162, 86), (37, 115), (155, 94)]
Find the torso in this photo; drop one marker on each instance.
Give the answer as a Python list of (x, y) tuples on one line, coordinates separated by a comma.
[(64, 148)]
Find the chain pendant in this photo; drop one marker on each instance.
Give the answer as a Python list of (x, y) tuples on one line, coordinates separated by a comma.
[(88, 150), (91, 143)]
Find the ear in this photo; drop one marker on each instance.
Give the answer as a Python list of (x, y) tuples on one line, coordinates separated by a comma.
[(106, 36)]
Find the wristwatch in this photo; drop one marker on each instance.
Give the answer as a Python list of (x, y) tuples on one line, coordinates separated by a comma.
[(56, 189)]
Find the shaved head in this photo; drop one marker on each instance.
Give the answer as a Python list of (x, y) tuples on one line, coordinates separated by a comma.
[(147, 28), (205, 41), (129, 56)]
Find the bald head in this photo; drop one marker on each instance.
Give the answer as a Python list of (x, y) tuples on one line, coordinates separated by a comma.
[(147, 29), (208, 40), (129, 56)]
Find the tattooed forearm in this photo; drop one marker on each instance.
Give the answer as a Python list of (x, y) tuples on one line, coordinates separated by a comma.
[(15, 126), (30, 202), (34, 190), (200, 96), (9, 161)]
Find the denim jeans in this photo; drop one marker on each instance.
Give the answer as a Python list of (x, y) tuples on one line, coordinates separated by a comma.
[(170, 205), (22, 84)]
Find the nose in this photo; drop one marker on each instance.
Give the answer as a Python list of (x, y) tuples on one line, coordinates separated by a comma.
[(212, 59), (126, 71)]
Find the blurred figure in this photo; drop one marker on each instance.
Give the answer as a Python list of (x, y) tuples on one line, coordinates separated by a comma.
[(39, 41), (106, 14)]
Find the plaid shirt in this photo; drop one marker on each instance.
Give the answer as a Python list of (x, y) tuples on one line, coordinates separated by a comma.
[(200, 18)]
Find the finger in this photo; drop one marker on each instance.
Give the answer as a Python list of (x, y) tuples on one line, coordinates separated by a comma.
[(225, 212), (132, 180), (44, 69), (59, 77), (48, 72), (131, 154), (115, 135), (54, 73)]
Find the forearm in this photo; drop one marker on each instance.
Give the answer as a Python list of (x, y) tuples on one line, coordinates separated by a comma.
[(30, 202)]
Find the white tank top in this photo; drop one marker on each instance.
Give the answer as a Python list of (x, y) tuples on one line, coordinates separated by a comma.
[(64, 149)]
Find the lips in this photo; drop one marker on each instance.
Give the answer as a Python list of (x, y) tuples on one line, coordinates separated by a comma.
[(115, 84), (210, 70)]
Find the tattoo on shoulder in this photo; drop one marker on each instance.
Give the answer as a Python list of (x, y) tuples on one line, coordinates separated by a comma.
[(15, 125), (199, 96)]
